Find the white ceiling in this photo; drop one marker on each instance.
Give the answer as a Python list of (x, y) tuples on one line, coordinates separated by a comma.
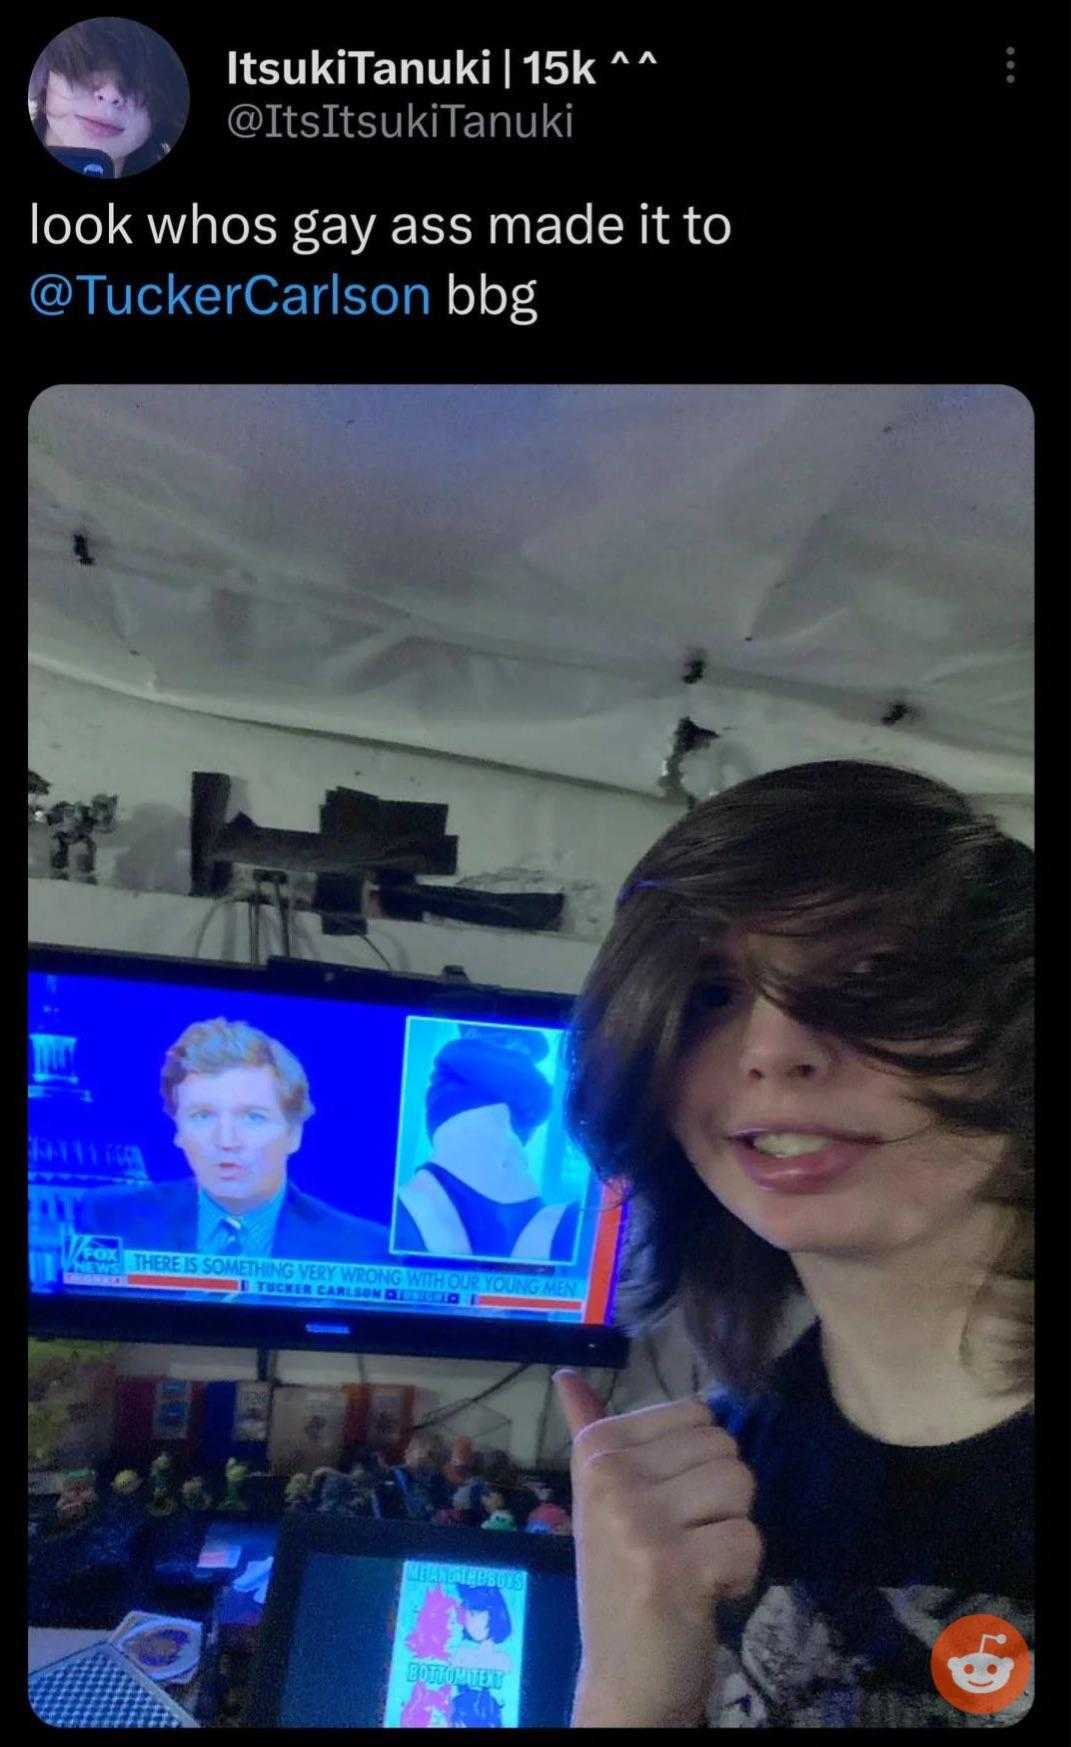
[(516, 574)]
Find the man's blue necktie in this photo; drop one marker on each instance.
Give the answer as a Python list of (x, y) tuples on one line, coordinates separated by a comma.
[(232, 1237)]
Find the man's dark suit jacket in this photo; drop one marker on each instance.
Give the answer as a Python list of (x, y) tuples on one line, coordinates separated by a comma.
[(164, 1217)]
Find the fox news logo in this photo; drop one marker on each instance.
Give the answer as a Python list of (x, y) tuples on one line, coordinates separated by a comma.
[(94, 1261)]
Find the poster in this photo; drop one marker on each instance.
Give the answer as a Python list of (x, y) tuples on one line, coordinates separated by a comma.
[(458, 1652)]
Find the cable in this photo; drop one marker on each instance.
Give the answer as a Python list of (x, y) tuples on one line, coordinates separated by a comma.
[(446, 1413), (281, 905), (548, 1396), (304, 935), (199, 939), (381, 956)]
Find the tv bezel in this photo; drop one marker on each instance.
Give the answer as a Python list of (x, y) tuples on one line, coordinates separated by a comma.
[(275, 1325)]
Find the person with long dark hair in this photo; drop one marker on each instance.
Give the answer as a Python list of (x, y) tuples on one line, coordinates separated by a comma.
[(804, 1054), (109, 86)]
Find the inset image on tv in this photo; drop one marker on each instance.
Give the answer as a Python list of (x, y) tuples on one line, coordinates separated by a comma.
[(485, 1169)]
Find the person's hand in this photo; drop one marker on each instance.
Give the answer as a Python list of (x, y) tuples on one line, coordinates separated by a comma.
[(660, 1516)]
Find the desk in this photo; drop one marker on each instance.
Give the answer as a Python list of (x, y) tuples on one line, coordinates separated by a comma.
[(51, 1643), (48, 1644), (229, 1618)]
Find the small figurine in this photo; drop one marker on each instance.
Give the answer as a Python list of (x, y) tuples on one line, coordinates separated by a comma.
[(496, 1515), (195, 1494), (77, 1496), (499, 1470), (450, 1517), (127, 1483), (299, 1491), (73, 825), (420, 1476), (462, 1463), (468, 1501), (36, 786), (500, 1519), (366, 1476), (236, 1474), (332, 1489), (549, 1519), (162, 1481)]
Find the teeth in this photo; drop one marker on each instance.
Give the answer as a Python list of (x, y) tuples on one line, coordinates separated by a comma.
[(790, 1146)]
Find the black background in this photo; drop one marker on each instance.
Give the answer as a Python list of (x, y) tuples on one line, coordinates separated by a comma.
[(900, 214), (899, 210)]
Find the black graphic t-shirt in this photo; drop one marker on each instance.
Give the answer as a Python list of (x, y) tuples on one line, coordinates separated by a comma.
[(871, 1550)]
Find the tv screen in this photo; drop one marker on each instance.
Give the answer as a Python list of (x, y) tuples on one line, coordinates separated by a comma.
[(305, 1155)]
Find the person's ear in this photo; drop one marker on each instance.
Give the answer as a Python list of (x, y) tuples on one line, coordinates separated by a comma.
[(295, 1137)]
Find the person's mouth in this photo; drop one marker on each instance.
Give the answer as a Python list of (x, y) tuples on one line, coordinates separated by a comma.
[(798, 1161), (104, 130)]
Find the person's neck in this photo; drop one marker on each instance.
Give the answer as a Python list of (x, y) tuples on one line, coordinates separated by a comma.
[(892, 1329), (239, 1209)]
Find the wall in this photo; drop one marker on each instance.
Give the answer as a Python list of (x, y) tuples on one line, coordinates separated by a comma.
[(86, 740)]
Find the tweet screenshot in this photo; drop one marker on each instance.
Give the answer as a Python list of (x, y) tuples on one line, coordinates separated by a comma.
[(533, 532)]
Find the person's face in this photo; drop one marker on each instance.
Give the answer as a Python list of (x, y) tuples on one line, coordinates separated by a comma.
[(865, 1170), (235, 1134), (95, 116), (484, 1134), (477, 1623)]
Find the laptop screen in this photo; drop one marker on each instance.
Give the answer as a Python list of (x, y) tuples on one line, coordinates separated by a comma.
[(400, 1625)]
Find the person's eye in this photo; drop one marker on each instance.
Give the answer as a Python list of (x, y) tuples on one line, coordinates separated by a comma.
[(710, 998)]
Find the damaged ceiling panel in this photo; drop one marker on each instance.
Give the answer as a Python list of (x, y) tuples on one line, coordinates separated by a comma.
[(518, 574)]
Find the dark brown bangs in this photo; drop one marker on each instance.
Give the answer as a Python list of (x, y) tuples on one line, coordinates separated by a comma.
[(99, 46), (628, 1031)]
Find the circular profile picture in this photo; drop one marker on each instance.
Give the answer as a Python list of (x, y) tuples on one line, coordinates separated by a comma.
[(108, 97)]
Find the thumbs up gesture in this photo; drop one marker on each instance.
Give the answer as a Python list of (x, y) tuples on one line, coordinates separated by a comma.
[(660, 1516)]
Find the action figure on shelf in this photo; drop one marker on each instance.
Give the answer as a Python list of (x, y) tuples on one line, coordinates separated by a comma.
[(366, 1477), (499, 1470), (236, 1474), (299, 1492), (162, 1481), (493, 1508), (468, 1501), (74, 826), (195, 1494), (77, 1498), (462, 1465), (549, 1519), (332, 1489), (36, 787), (420, 1476)]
